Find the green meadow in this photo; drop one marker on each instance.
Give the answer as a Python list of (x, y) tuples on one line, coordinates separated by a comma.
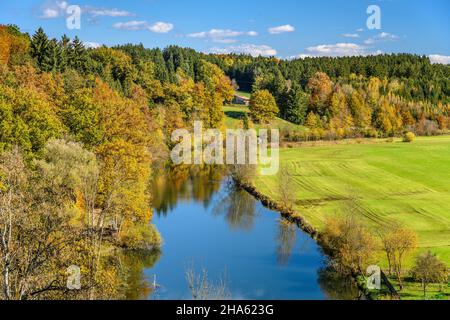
[(235, 113), (244, 94), (382, 183)]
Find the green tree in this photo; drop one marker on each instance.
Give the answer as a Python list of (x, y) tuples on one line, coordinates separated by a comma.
[(40, 49), (296, 105), (77, 55)]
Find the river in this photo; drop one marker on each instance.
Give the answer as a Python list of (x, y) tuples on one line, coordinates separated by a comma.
[(209, 225)]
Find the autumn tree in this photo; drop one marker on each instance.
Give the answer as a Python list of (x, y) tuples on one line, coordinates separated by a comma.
[(388, 118), (29, 116), (321, 89), (218, 89), (19, 46), (362, 114), (429, 269), (263, 107), (125, 168), (341, 118), (286, 187), (351, 244), (398, 244), (71, 169), (5, 44)]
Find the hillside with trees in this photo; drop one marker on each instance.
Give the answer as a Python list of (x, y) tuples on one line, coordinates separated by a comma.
[(373, 96), (80, 133)]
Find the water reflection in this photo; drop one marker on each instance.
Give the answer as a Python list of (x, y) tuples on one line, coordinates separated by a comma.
[(184, 183), (138, 286), (237, 206), (270, 258), (286, 240), (337, 286)]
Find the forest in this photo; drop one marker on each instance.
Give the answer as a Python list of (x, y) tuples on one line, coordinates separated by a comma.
[(83, 131)]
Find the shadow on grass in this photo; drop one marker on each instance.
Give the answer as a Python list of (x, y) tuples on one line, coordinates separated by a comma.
[(238, 115)]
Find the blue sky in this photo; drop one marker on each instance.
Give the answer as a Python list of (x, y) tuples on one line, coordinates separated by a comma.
[(285, 28)]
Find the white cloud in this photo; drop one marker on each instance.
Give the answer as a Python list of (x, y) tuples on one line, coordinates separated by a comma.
[(437, 58), (93, 45), (281, 29), (131, 25), (161, 27), (55, 9), (222, 35), (300, 56), (251, 49), (360, 30), (382, 37), (388, 36), (49, 13), (350, 35), (158, 27), (336, 50), (96, 12)]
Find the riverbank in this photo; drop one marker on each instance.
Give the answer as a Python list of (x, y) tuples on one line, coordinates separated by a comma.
[(285, 212)]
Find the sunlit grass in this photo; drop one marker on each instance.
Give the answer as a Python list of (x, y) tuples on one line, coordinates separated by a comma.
[(386, 182), (235, 113)]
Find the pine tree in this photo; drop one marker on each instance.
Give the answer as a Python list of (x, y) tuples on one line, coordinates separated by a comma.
[(77, 55), (55, 57), (39, 49), (161, 72), (295, 106)]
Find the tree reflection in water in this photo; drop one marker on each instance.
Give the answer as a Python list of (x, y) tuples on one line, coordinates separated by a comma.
[(237, 206), (185, 183), (286, 239), (133, 263), (337, 286)]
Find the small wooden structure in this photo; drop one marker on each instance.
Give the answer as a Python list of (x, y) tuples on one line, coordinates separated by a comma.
[(241, 100)]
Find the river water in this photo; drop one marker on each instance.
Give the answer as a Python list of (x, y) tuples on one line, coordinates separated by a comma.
[(210, 226)]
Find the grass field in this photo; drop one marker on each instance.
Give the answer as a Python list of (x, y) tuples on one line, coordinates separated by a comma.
[(235, 113), (385, 183), (244, 94), (414, 291)]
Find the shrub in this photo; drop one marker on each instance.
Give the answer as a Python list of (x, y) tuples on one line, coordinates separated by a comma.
[(140, 236), (263, 107), (409, 137), (350, 244), (429, 269)]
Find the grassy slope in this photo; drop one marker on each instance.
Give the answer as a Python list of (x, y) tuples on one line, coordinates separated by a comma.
[(244, 94), (235, 113), (397, 182)]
